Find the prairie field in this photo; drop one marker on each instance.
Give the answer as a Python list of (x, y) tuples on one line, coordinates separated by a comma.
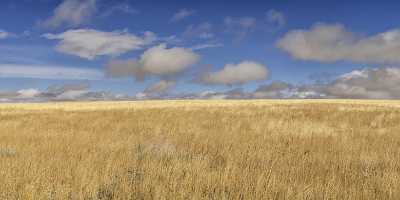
[(201, 149)]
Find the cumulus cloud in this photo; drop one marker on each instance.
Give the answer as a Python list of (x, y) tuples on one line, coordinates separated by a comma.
[(240, 73), (89, 43), (276, 17), (72, 13), (49, 72), (182, 14), (28, 93), (332, 42), (162, 61), (157, 61)]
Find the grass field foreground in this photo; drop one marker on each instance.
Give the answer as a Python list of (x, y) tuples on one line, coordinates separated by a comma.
[(256, 149)]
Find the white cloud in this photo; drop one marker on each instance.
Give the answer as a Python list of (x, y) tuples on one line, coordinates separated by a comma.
[(331, 43), (49, 72), (373, 83), (141, 95), (366, 83), (240, 73), (72, 13), (182, 14), (28, 93), (89, 43), (162, 61), (72, 94), (158, 61), (276, 17)]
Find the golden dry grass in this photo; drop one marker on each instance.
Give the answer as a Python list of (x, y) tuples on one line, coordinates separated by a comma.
[(289, 149)]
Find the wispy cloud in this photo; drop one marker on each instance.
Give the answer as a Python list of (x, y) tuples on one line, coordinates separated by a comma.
[(276, 17), (202, 31), (71, 13), (49, 72), (182, 14), (240, 27), (206, 46), (123, 8)]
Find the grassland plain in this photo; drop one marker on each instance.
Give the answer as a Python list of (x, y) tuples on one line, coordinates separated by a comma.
[(256, 149)]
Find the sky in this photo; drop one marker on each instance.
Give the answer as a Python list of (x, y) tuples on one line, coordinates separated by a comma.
[(129, 49)]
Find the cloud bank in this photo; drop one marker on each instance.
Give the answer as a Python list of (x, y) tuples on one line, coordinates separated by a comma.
[(68, 92), (366, 83), (370, 83)]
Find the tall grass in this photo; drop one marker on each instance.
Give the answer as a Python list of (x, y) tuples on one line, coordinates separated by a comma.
[(201, 150)]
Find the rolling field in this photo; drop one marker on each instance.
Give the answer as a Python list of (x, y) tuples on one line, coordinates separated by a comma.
[(205, 149)]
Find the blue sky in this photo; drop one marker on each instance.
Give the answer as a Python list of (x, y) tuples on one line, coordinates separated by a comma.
[(156, 49)]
